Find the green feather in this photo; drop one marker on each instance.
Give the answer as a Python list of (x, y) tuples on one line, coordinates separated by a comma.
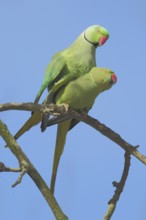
[(80, 95)]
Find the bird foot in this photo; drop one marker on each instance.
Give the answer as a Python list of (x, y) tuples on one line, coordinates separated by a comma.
[(64, 108)]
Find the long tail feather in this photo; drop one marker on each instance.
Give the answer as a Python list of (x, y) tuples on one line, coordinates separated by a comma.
[(32, 121), (60, 142)]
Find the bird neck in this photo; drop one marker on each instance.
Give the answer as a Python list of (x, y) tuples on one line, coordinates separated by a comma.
[(81, 44)]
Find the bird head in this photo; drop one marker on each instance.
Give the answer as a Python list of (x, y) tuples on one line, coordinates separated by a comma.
[(96, 35), (104, 78)]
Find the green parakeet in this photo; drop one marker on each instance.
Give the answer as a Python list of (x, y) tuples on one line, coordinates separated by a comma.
[(80, 95), (68, 65), (75, 60)]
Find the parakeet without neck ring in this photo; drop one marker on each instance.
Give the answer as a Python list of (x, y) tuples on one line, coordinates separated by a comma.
[(80, 95)]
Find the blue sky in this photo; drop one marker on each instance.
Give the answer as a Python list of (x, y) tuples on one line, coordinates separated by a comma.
[(31, 32)]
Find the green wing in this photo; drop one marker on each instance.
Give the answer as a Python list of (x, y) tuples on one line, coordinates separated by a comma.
[(58, 85), (53, 70), (62, 82), (51, 97)]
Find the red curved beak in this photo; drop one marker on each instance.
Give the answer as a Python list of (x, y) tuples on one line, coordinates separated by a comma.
[(114, 78), (102, 40)]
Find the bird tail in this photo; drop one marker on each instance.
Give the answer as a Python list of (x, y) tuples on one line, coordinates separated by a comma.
[(60, 142), (32, 121)]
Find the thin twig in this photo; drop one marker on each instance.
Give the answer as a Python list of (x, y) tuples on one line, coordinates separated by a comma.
[(3, 168), (119, 188), (24, 170)]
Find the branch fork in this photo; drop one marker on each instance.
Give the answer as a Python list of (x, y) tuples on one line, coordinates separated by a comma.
[(23, 170)]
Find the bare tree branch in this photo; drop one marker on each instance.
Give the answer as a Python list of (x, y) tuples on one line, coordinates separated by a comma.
[(3, 168), (56, 110), (119, 188), (29, 106), (27, 166)]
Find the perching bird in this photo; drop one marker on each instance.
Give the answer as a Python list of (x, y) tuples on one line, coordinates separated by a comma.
[(67, 65), (75, 60), (80, 95)]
